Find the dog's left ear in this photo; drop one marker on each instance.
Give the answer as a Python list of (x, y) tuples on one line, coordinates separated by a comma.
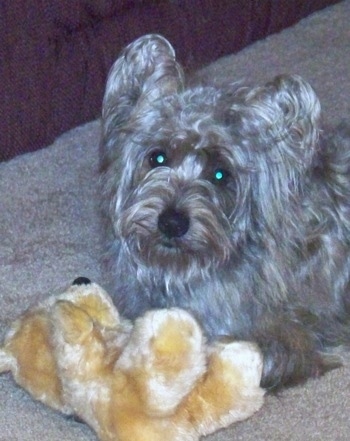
[(276, 126), (284, 115)]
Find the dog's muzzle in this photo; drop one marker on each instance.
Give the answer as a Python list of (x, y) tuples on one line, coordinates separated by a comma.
[(173, 223)]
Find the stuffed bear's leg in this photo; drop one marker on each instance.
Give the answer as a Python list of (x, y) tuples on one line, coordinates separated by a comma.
[(85, 352), (27, 354), (165, 356), (229, 392)]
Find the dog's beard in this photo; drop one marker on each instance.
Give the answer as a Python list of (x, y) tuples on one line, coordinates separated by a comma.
[(205, 245)]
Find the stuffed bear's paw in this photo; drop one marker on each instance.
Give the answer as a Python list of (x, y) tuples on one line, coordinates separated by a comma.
[(247, 358), (237, 367), (166, 356)]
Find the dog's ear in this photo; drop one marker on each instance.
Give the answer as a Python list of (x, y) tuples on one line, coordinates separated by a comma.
[(146, 70), (277, 128), (284, 116)]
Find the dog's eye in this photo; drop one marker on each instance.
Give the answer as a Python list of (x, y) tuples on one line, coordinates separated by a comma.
[(158, 158), (220, 176)]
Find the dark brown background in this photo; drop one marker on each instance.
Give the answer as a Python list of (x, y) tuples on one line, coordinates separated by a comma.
[(55, 56)]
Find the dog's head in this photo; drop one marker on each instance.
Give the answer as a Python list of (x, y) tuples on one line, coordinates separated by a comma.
[(192, 174)]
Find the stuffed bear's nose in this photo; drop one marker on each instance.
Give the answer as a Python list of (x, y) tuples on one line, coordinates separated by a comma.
[(81, 281), (173, 223)]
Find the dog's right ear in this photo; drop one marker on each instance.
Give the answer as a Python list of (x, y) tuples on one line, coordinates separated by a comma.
[(146, 70)]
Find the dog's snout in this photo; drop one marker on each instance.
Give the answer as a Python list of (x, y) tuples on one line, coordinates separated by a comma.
[(173, 223)]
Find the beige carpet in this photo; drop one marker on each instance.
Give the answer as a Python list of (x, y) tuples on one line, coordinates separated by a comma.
[(50, 233)]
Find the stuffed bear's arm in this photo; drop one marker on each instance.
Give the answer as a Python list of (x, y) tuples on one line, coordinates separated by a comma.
[(165, 356), (229, 392)]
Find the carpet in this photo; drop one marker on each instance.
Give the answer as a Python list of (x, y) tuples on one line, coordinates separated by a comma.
[(50, 233)]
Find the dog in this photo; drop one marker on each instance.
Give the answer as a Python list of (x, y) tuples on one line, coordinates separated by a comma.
[(231, 202)]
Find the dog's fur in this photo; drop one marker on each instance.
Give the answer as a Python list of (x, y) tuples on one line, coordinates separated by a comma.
[(232, 203)]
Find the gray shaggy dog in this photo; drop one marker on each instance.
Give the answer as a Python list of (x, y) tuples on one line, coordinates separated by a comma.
[(230, 202)]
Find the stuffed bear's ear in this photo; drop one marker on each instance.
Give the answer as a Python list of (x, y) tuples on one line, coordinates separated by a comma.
[(283, 113), (71, 322), (145, 70)]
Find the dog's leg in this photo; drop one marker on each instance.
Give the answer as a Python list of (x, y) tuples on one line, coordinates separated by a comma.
[(293, 350)]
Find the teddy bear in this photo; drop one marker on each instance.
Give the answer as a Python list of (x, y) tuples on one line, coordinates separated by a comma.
[(152, 379)]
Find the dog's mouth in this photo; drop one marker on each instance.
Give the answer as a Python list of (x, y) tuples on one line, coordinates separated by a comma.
[(176, 247), (168, 244)]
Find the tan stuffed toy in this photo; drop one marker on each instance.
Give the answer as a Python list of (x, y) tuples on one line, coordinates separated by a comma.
[(152, 380)]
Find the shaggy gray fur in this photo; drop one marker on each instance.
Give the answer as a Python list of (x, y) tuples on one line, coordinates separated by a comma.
[(228, 201)]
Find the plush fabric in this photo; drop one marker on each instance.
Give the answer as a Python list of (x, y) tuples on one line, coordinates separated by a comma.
[(54, 56)]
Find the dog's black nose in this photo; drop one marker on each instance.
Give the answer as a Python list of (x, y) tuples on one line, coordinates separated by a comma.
[(173, 223)]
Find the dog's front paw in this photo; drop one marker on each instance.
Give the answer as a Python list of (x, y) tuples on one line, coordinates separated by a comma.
[(166, 356)]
